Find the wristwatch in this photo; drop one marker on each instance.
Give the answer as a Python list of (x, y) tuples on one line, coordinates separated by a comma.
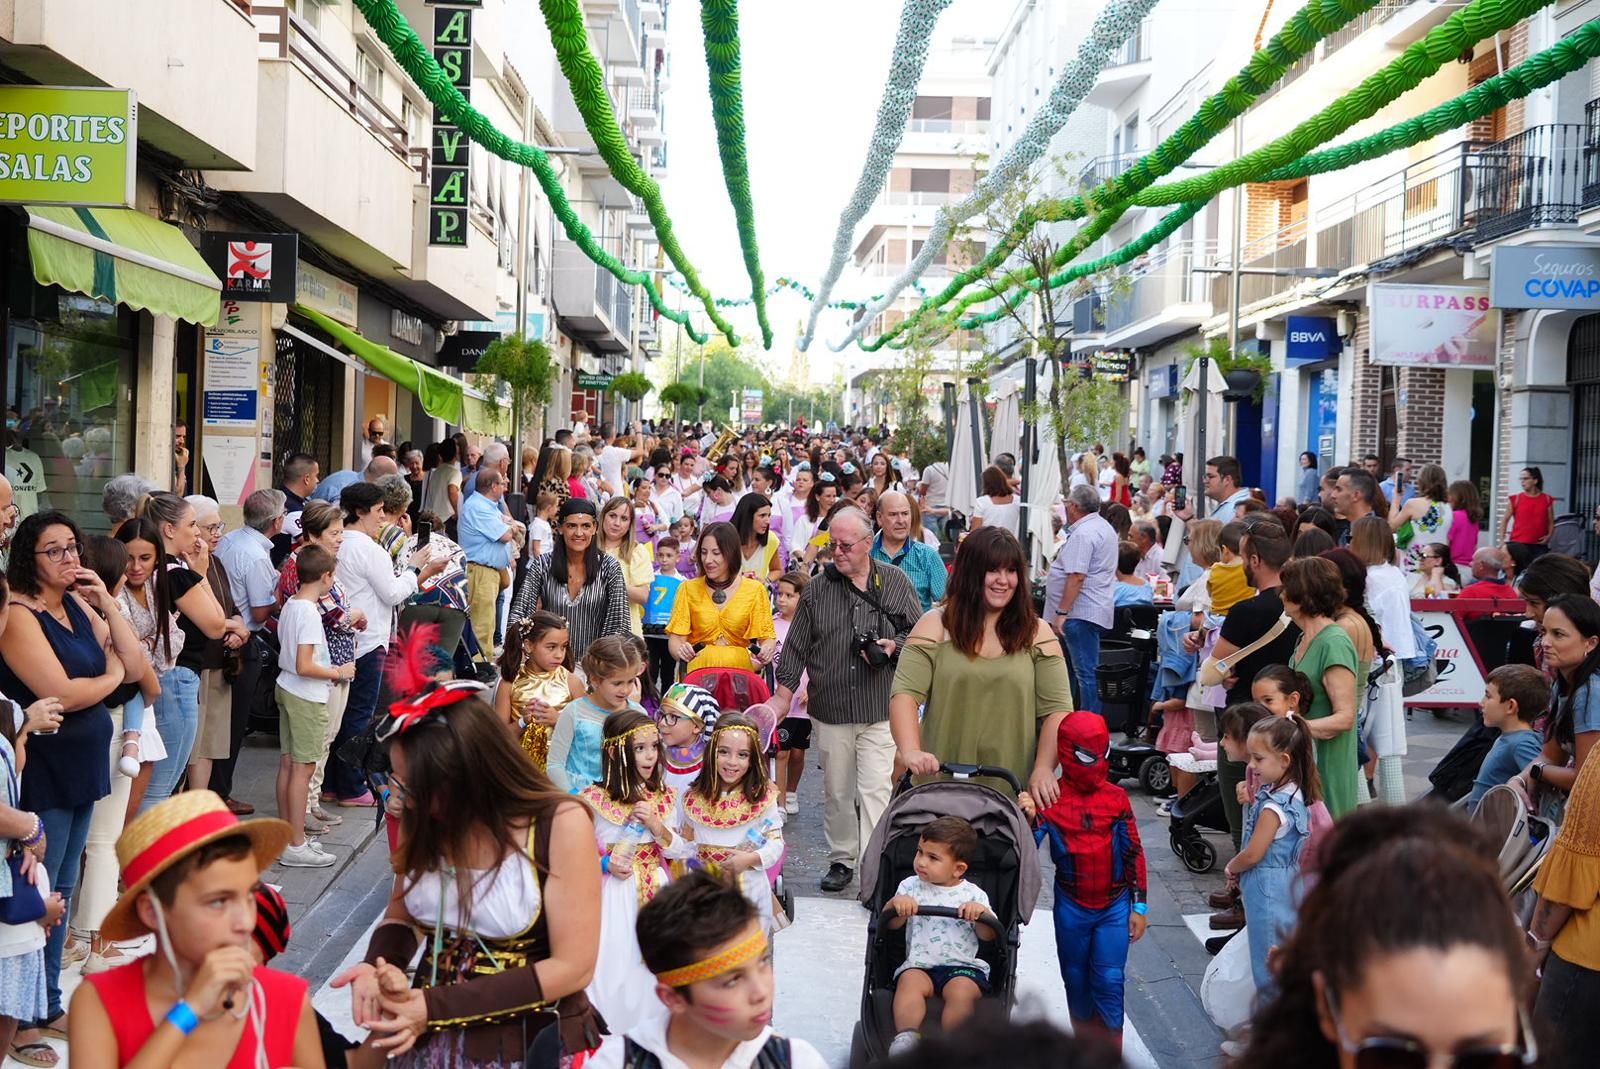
[(1536, 772)]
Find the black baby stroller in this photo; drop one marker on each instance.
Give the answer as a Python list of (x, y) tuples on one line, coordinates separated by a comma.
[(1200, 807), (1006, 867)]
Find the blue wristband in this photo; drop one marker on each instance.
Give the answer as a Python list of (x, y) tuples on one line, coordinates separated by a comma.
[(1141, 908), (605, 864), (182, 1016)]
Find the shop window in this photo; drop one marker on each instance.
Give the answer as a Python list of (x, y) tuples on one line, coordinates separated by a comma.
[(69, 405)]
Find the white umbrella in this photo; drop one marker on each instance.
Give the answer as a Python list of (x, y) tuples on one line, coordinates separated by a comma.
[(1044, 487), (1006, 435), (963, 494), (1188, 419)]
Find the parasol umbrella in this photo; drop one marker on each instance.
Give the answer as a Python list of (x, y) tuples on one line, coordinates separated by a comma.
[(963, 495), (1044, 485), (1006, 435)]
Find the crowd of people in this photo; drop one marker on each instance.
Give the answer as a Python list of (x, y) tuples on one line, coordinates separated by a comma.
[(609, 668)]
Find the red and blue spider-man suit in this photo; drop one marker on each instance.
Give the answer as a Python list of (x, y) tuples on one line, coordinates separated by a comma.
[(1094, 842)]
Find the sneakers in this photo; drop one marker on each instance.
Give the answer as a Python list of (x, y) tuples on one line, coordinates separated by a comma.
[(364, 800), (316, 812), (838, 877), (308, 855), (903, 1042), (1164, 808), (791, 803)]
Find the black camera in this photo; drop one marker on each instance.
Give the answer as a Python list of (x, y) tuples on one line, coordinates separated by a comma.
[(866, 644)]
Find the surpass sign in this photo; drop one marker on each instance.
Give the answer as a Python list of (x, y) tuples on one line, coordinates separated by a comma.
[(67, 146)]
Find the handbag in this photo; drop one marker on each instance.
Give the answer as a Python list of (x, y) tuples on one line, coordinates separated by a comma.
[(1215, 670), (1405, 534), (25, 904)]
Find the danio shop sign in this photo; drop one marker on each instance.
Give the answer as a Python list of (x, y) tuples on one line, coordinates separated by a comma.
[(68, 146)]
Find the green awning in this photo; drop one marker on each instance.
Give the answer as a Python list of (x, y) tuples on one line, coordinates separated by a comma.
[(125, 256), (486, 416)]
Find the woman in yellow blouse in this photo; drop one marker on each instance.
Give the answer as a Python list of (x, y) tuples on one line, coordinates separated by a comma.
[(722, 612), (1564, 931), (617, 540)]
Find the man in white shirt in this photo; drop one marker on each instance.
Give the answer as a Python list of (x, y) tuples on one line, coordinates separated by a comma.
[(366, 574), (612, 459), (1147, 536), (246, 555), (376, 429), (1222, 478)]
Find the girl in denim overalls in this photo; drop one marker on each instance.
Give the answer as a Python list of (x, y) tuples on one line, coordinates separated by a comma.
[(1275, 832)]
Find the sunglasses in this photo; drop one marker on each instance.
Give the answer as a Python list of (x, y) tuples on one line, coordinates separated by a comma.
[(1402, 1052)]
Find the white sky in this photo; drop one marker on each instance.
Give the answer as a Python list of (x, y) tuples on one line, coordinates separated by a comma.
[(813, 79)]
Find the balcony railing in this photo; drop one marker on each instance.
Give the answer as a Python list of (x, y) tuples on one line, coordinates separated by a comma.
[(1280, 250), (1135, 49), (1427, 200), (1103, 169), (287, 36), (1591, 154), (949, 126), (1533, 179), (1361, 24), (1164, 278)]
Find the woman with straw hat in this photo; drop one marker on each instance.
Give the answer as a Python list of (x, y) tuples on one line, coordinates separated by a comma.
[(190, 869)]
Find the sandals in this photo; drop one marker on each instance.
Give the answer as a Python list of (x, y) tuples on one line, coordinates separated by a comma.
[(53, 1031), (39, 1055)]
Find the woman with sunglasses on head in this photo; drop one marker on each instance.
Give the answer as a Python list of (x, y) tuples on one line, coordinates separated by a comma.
[(506, 955), (64, 638), (1406, 956), (576, 581)]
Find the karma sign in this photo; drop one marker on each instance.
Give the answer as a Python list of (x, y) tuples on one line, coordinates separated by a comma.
[(1545, 276), (67, 146), (253, 267)]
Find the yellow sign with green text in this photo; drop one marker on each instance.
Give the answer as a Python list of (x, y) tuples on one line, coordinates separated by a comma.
[(61, 145)]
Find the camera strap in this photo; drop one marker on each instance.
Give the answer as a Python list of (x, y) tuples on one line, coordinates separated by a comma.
[(896, 619)]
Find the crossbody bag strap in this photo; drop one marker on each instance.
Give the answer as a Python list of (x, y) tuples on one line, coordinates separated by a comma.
[(1215, 670)]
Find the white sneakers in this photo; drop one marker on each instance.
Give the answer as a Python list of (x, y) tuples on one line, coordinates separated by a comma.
[(791, 803), (307, 855), (903, 1042)]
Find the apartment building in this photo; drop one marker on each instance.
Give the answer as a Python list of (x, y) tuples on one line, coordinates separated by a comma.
[(394, 252), (938, 163)]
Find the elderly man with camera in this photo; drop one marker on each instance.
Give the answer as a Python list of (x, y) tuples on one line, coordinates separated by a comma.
[(847, 634)]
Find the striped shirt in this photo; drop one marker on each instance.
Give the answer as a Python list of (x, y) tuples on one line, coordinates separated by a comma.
[(843, 688), (600, 609)]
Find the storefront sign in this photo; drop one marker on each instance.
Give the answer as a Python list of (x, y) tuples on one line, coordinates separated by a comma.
[(328, 294), (1545, 276), (68, 146), (448, 178), (463, 349), (585, 380), (1312, 338), (228, 398), (506, 323), (1161, 381), (1438, 326), (253, 267), (750, 410), (1460, 679)]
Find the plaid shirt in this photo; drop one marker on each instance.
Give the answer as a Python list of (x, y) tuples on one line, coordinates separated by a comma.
[(922, 565)]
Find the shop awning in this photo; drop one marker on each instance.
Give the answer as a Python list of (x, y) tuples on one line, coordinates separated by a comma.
[(442, 396), (125, 256)]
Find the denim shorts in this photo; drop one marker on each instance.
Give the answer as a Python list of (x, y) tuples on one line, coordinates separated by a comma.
[(943, 974)]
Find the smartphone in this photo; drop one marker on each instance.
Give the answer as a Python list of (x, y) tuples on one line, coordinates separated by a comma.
[(424, 533), (1180, 498)]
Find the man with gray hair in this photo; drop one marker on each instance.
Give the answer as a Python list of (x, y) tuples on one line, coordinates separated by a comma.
[(1078, 591), (247, 555), (496, 457), (847, 633), (120, 496), (1147, 536), (330, 488)]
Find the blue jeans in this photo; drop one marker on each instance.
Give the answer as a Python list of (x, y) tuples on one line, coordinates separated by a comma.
[(341, 779), (178, 720), (66, 833), (1092, 945), (1082, 641)]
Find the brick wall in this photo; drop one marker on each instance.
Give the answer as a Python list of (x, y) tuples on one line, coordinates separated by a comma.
[(1516, 51), (1501, 486), (1366, 394), (1420, 419)]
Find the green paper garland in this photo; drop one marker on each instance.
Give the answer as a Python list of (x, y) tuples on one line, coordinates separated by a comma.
[(1537, 71), (1421, 60), (719, 21), (414, 57), (789, 284)]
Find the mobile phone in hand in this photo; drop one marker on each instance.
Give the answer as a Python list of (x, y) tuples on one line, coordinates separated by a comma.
[(1180, 498), (424, 533)]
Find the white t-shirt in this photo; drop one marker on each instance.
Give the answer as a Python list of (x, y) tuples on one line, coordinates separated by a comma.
[(1005, 515), (612, 458), (936, 478), (934, 941), (299, 624), (539, 532), (25, 472), (436, 490)]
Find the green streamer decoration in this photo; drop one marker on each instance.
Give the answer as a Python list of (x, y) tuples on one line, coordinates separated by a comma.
[(564, 19), (1534, 73), (719, 21), (414, 57), (790, 284), (1420, 61), (1316, 20)]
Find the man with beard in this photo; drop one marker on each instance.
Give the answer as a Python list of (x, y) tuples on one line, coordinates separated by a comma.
[(1265, 549)]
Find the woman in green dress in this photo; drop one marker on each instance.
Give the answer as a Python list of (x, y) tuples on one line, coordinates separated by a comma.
[(989, 671), (1313, 591)]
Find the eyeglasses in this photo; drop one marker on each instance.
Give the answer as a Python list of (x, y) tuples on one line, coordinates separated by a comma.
[(214, 528), (847, 547), (668, 720), (57, 554), (1402, 1052)]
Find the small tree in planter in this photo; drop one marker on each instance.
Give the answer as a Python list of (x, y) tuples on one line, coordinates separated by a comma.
[(684, 395), (523, 367), (1245, 371)]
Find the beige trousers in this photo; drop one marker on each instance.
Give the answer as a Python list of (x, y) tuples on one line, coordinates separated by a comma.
[(483, 593), (338, 698), (97, 886), (857, 779)]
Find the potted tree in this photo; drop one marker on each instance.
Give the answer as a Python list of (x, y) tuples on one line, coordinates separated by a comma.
[(525, 368)]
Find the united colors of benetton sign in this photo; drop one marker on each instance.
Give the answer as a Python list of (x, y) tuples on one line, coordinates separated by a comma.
[(67, 145)]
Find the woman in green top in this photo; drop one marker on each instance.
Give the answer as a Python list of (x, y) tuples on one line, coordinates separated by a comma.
[(1313, 591), (989, 671)]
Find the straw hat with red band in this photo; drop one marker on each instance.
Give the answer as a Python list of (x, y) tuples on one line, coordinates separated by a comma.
[(169, 832)]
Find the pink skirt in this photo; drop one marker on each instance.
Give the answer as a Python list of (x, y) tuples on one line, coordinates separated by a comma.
[(1176, 728)]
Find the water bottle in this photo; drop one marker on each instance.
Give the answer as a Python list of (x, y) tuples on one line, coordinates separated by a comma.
[(633, 833), (756, 837)]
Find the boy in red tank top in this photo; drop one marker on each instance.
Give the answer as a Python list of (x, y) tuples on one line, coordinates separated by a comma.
[(191, 869)]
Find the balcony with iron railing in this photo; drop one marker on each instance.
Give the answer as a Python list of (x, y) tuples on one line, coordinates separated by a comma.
[(1135, 49), (1533, 179), (1422, 202), (1127, 68), (589, 301), (1283, 250), (1163, 287), (1591, 154)]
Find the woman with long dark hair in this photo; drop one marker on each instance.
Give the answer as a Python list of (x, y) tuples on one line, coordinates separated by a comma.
[(760, 556), (717, 616), (988, 669), (1529, 519), (576, 581), (1313, 594), (507, 956), (1570, 638), (1406, 953), (1466, 514)]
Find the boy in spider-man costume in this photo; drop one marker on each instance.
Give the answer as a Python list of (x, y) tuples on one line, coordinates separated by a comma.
[(1100, 881)]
